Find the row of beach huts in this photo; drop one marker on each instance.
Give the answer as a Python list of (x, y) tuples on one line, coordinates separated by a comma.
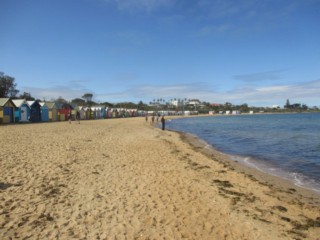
[(22, 111)]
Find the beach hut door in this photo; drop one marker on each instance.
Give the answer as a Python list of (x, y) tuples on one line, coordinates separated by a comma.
[(24, 116)]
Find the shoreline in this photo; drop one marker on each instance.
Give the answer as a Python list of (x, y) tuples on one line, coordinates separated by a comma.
[(127, 179), (262, 174), (256, 174)]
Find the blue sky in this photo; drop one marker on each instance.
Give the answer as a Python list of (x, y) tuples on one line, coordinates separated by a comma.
[(239, 51)]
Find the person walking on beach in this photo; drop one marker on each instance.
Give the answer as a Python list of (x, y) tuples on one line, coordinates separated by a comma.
[(152, 120), (78, 116), (146, 117), (69, 116), (163, 121)]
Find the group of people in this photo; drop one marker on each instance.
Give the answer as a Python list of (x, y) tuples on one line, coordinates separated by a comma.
[(163, 121)]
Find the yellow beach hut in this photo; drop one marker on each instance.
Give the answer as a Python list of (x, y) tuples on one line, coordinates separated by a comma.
[(53, 111), (6, 110)]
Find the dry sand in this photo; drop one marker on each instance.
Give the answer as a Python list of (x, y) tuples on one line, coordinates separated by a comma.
[(124, 179)]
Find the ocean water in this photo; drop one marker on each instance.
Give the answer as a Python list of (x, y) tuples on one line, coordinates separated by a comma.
[(284, 145)]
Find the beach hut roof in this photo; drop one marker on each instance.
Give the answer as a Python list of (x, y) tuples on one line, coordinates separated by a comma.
[(51, 104), (80, 108), (31, 102), (3, 101), (18, 102)]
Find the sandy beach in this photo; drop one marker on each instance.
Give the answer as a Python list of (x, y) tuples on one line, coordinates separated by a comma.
[(125, 179)]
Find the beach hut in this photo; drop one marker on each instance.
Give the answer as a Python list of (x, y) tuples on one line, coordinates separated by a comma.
[(35, 111), (236, 112), (82, 112), (114, 113), (44, 112), (108, 112), (53, 111), (99, 111), (91, 113), (6, 110), (131, 112), (103, 112), (64, 110), (94, 113), (87, 112), (186, 113), (22, 110)]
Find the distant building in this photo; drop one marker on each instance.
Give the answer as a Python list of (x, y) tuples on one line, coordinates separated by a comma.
[(215, 104), (235, 112), (176, 103), (194, 102)]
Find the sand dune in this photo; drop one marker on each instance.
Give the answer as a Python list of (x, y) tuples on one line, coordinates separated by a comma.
[(124, 179)]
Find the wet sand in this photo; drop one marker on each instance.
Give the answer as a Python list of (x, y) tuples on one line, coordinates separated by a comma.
[(125, 179)]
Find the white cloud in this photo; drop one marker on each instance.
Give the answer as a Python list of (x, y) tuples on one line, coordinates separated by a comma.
[(306, 93), (273, 89), (141, 5), (74, 89), (261, 76)]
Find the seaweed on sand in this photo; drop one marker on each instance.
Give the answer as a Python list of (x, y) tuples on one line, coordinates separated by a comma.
[(225, 184)]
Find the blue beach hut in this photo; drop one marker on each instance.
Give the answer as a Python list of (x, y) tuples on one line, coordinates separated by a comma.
[(99, 111), (35, 111), (22, 110), (44, 112)]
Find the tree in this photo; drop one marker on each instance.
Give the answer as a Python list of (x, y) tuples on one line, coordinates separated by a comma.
[(244, 108), (61, 100), (142, 106), (304, 107), (107, 104), (7, 86), (87, 97), (228, 106), (77, 101), (27, 96), (287, 104)]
